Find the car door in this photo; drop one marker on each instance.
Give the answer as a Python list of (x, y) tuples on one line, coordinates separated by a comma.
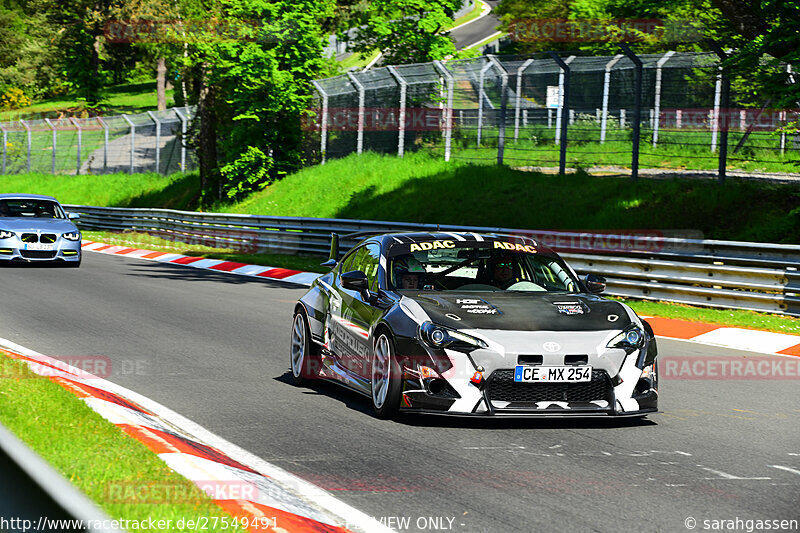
[(355, 316)]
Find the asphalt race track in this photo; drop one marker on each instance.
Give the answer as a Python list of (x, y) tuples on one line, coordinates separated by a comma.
[(214, 347)]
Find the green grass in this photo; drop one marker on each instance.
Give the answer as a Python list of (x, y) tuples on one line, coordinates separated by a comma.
[(125, 98), (423, 188), (97, 457), (176, 191), (472, 15), (357, 60)]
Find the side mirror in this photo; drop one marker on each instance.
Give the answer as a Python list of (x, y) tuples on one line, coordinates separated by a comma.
[(73, 216), (355, 280), (595, 284)]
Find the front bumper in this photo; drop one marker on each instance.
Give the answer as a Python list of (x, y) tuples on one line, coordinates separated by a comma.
[(14, 250)]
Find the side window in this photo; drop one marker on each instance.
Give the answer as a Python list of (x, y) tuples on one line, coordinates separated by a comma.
[(347, 263), (366, 260)]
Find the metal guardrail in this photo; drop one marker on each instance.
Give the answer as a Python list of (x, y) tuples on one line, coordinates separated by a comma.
[(730, 274), (34, 497)]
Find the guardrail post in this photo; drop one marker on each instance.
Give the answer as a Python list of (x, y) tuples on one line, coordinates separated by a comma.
[(501, 133), (28, 129), (5, 147), (184, 120), (133, 141), (448, 124), (563, 94), (53, 155), (361, 96), (105, 143), (323, 143), (518, 103), (80, 137), (657, 103), (158, 140), (637, 110), (401, 126), (481, 96)]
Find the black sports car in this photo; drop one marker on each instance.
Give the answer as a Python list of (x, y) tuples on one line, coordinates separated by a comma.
[(470, 324)]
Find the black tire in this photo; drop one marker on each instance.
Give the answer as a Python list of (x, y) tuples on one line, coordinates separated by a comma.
[(304, 356), (386, 381)]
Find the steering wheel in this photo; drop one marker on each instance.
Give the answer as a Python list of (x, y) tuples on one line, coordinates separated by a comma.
[(525, 286)]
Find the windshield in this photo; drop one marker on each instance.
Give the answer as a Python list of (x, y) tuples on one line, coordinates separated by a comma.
[(446, 265), (30, 208)]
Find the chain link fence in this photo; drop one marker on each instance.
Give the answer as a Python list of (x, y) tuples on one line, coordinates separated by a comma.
[(142, 142), (673, 111)]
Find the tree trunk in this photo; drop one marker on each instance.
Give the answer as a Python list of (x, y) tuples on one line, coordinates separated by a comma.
[(207, 142), (161, 82)]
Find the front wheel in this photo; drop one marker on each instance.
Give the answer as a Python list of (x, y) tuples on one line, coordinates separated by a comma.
[(386, 378), (304, 358)]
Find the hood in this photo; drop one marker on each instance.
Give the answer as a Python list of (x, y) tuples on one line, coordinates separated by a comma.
[(32, 224), (523, 311)]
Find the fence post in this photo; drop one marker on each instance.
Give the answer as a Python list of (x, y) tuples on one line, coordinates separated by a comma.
[(158, 140), (722, 98), (133, 141), (520, 72), (715, 112), (448, 125), (481, 96), (501, 137), (53, 153), (401, 126), (5, 146), (561, 96), (28, 129), (563, 79), (184, 119), (637, 110), (657, 103), (80, 138), (105, 143), (361, 97)]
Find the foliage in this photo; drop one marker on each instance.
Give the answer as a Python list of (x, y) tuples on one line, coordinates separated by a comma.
[(408, 31), (13, 98), (249, 173)]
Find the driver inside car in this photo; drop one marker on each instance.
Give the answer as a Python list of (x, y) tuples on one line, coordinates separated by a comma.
[(505, 271), (408, 273)]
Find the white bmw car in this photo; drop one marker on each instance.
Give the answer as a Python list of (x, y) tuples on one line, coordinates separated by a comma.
[(36, 228)]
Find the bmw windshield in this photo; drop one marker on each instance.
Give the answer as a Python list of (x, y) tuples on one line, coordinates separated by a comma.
[(449, 265)]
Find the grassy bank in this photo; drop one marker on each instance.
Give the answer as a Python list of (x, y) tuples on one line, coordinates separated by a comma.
[(117, 472), (423, 188)]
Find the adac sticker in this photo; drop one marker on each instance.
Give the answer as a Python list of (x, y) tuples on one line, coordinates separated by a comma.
[(476, 306), (431, 245), (569, 308), (516, 247)]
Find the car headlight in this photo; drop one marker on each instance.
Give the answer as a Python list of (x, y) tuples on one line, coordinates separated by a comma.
[(438, 336), (74, 236), (4, 234), (629, 339)]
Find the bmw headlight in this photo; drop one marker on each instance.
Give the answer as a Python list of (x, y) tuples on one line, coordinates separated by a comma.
[(74, 236), (629, 339), (4, 234), (438, 336)]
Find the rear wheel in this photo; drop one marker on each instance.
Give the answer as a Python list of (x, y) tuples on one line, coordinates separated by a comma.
[(304, 356), (386, 379)]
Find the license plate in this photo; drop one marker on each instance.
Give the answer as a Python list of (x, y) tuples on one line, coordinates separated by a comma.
[(39, 246), (552, 374)]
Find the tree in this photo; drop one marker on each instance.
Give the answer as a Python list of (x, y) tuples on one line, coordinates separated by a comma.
[(408, 31), (252, 86)]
